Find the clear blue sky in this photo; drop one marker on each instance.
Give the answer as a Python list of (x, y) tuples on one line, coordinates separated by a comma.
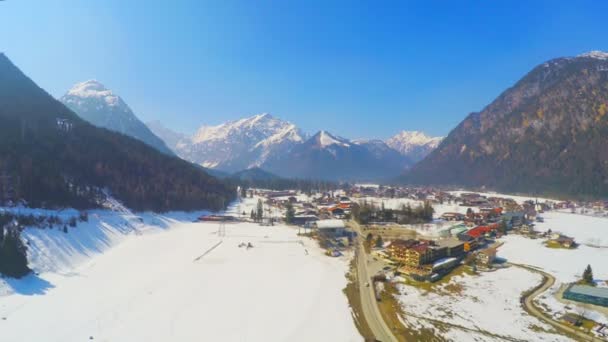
[(355, 68)]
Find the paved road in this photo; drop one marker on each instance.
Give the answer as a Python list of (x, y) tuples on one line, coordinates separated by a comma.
[(528, 301), (371, 312)]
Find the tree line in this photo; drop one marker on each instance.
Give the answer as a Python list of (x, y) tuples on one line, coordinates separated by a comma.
[(367, 212)]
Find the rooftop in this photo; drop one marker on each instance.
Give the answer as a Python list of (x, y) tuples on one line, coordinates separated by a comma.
[(601, 292)]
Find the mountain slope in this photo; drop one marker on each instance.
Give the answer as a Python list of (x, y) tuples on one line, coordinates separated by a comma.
[(98, 105), (548, 133), (413, 144), (325, 156), (50, 157), (240, 144)]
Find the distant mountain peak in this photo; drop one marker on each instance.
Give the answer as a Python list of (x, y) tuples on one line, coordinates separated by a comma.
[(595, 54), (240, 144), (414, 144), (325, 139), (94, 89)]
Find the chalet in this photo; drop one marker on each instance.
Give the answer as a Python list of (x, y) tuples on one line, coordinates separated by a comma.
[(418, 255), (453, 216), (304, 220), (396, 249), (572, 319), (562, 240)]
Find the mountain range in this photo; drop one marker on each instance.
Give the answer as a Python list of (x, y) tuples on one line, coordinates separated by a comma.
[(548, 134), (52, 158), (282, 148)]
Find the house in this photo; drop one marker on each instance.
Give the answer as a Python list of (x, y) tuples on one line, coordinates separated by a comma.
[(453, 216), (486, 256), (572, 319), (562, 240), (304, 220), (330, 228)]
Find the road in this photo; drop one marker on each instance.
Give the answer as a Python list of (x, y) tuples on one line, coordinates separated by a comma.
[(528, 301), (371, 312)]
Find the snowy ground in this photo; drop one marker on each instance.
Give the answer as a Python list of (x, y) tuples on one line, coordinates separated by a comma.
[(484, 307), (397, 203), (566, 265), (124, 280), (585, 229)]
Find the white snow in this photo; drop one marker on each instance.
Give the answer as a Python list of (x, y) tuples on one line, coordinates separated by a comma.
[(585, 229), (148, 282), (92, 89), (595, 54), (414, 143), (326, 139), (566, 265), (486, 303)]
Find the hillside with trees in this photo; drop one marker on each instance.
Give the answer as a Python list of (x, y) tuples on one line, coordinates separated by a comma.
[(51, 158), (546, 134)]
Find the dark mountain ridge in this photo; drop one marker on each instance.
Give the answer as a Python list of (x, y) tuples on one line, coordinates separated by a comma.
[(546, 134), (50, 157)]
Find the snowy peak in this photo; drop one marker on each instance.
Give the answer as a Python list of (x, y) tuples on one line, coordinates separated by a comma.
[(325, 139), (595, 54), (92, 89), (414, 144), (92, 101), (240, 144)]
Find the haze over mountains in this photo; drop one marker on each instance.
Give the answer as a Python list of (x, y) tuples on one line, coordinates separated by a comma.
[(546, 134), (282, 148)]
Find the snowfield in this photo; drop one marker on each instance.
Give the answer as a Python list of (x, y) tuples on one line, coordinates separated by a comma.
[(483, 307), (585, 229), (566, 265), (168, 279)]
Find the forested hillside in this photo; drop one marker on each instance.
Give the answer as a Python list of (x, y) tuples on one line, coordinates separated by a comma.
[(546, 134), (50, 157)]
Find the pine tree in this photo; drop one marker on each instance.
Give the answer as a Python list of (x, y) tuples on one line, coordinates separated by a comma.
[(588, 276), (379, 242), (260, 210), (290, 213), (13, 255)]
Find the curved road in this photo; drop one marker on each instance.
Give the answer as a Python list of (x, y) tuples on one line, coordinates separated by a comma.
[(528, 302)]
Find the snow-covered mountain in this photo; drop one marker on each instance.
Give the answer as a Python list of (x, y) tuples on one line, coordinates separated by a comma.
[(239, 144), (413, 144), (93, 102), (327, 156)]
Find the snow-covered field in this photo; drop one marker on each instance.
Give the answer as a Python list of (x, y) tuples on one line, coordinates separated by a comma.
[(126, 280), (397, 203), (483, 307), (566, 265), (585, 229)]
